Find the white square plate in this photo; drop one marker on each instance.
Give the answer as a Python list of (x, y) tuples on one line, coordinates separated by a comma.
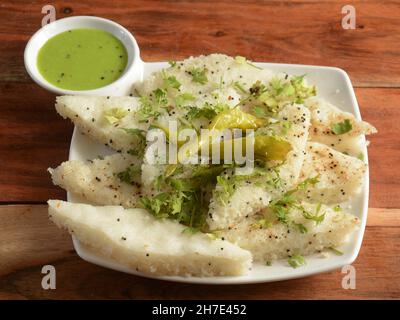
[(334, 85)]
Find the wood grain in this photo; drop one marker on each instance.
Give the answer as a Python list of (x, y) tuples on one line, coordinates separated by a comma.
[(33, 137), (307, 32), (30, 241)]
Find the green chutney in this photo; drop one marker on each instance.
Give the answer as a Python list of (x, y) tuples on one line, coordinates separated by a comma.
[(82, 59)]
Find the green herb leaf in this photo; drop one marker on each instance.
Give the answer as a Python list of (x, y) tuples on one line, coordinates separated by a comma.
[(140, 136), (161, 96), (190, 230), (296, 261), (182, 99), (260, 112), (336, 251), (315, 217), (147, 108), (172, 82), (300, 227), (185, 201), (243, 60), (155, 204), (302, 91), (341, 127), (240, 60), (262, 224), (306, 183), (195, 113), (130, 175), (172, 63), (227, 188), (337, 208), (133, 152), (238, 86), (198, 75), (115, 114)]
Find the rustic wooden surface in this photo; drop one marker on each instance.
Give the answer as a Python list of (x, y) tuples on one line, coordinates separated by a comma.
[(33, 137)]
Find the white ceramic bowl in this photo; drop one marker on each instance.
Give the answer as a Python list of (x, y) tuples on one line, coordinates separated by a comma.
[(133, 71)]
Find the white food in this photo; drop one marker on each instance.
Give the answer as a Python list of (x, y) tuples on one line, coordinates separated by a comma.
[(96, 181), (249, 198), (88, 113), (340, 176), (282, 241), (225, 71), (324, 115), (137, 240)]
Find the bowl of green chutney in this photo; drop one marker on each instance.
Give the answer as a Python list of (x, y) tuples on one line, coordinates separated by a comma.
[(84, 55)]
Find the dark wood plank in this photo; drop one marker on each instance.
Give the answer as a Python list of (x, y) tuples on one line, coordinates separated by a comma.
[(28, 241), (307, 32), (380, 107), (33, 137)]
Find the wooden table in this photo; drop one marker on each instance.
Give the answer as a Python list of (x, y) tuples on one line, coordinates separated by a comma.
[(33, 137)]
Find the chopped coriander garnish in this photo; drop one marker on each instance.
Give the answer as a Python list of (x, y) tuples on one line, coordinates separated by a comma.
[(161, 96), (155, 204), (133, 152), (268, 178), (172, 63), (302, 91), (198, 75), (279, 92), (115, 114), (300, 227), (315, 217), (243, 60), (306, 183), (337, 208), (195, 113), (183, 198), (262, 224), (140, 137), (341, 127), (130, 175), (336, 251), (260, 111), (147, 108), (227, 188), (296, 261), (238, 86), (360, 157), (135, 132), (190, 230), (240, 59), (286, 125), (182, 99), (281, 207), (171, 82)]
